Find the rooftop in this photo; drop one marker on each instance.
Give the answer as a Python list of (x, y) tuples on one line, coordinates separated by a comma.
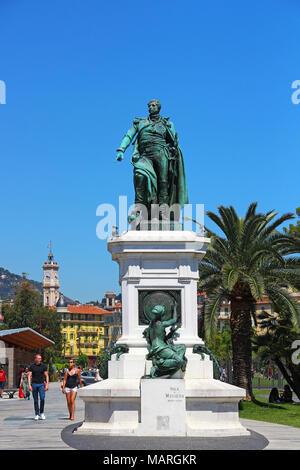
[(25, 338), (87, 309)]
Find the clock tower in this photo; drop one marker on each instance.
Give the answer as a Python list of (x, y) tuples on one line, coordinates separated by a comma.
[(50, 281)]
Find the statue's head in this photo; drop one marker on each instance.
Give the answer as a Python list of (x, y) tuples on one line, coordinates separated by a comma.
[(154, 107), (158, 310)]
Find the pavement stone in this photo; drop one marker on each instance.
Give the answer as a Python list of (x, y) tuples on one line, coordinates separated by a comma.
[(19, 430)]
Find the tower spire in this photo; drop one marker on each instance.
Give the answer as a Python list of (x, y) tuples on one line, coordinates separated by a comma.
[(50, 255)]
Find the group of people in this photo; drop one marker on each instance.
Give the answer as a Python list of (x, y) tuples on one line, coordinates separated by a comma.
[(284, 397), (35, 379), (38, 380), (270, 373)]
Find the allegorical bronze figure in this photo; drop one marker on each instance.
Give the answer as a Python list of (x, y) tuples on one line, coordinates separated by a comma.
[(167, 358), (159, 176)]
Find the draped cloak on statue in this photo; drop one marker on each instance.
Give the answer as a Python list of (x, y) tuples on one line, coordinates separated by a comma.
[(177, 189)]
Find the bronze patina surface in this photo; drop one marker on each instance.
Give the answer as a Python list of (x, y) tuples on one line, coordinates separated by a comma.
[(158, 175)]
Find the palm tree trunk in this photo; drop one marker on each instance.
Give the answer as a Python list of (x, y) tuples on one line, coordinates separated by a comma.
[(240, 323)]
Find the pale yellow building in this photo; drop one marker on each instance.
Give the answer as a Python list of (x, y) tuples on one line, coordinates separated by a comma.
[(87, 329)]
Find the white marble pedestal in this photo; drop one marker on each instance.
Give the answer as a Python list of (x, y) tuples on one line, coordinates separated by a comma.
[(162, 408), (159, 260)]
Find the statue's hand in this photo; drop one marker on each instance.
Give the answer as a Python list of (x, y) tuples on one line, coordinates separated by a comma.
[(119, 156)]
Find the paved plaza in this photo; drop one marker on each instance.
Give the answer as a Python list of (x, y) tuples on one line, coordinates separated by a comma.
[(19, 430)]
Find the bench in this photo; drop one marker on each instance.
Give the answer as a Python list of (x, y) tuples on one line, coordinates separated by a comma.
[(10, 391)]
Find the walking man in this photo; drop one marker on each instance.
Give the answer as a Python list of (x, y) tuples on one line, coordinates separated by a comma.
[(37, 375)]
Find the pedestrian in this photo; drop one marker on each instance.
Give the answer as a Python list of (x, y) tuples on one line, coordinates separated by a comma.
[(37, 375), (24, 383), (270, 372), (274, 396), (70, 386), (287, 395), (98, 378), (3, 380), (224, 376)]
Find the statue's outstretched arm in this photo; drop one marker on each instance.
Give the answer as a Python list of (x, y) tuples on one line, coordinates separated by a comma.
[(169, 322), (173, 321), (127, 139)]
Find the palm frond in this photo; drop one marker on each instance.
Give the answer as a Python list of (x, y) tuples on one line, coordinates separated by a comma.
[(212, 311), (280, 296)]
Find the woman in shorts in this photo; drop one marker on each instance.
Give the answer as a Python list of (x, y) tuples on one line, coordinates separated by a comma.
[(71, 380)]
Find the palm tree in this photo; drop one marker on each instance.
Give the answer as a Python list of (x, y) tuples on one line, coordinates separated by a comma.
[(240, 267)]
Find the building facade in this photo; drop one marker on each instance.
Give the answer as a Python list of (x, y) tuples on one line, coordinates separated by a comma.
[(262, 306), (88, 329)]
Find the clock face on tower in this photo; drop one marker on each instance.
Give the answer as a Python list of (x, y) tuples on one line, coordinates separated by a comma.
[(47, 276)]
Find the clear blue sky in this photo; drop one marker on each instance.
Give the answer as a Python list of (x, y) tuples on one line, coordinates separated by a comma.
[(78, 71)]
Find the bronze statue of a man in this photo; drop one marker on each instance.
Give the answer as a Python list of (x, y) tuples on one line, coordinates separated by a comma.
[(159, 176)]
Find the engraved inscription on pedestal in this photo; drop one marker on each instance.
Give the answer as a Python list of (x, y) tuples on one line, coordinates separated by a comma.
[(175, 394)]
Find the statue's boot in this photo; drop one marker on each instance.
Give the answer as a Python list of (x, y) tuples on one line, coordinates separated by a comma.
[(163, 200)]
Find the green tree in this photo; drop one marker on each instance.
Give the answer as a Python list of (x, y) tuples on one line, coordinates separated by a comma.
[(28, 311), (294, 236), (50, 326), (276, 345), (100, 357), (294, 229), (220, 345), (24, 312), (83, 360), (240, 267)]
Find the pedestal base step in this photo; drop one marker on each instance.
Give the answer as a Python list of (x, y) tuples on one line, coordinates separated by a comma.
[(162, 407)]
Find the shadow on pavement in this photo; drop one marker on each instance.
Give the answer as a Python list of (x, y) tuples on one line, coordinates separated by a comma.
[(99, 442)]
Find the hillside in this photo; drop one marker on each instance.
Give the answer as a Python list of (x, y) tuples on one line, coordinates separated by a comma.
[(9, 280)]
